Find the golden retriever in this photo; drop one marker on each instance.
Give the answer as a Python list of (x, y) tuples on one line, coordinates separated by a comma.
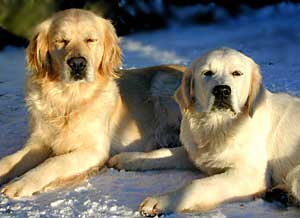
[(243, 136), (82, 109)]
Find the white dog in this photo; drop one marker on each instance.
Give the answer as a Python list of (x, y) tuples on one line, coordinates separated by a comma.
[(244, 137)]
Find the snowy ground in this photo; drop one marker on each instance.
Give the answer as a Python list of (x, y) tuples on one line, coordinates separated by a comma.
[(271, 36)]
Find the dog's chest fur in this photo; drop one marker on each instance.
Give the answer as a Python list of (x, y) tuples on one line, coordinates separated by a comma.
[(60, 114), (206, 139)]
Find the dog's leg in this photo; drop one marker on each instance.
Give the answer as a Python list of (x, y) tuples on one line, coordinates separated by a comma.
[(21, 161), (293, 182), (204, 194), (56, 168), (165, 158)]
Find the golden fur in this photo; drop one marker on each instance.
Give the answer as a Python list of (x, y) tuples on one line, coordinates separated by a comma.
[(246, 145), (76, 124)]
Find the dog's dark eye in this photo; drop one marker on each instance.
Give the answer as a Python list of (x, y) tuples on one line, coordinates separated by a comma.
[(236, 73), (208, 73), (91, 40)]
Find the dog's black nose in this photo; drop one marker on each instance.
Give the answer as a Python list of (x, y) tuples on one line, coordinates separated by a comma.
[(221, 91), (77, 64)]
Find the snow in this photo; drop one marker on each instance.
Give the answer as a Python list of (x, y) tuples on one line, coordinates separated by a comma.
[(271, 36)]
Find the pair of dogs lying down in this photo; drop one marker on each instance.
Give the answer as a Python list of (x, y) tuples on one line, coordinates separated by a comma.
[(84, 113)]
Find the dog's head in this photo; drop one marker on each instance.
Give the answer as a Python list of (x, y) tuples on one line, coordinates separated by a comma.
[(74, 45), (222, 80)]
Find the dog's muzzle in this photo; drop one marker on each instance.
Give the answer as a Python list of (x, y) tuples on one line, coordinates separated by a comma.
[(222, 95), (78, 67)]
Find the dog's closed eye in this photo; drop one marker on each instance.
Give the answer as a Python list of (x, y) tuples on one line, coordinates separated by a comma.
[(61, 42), (91, 40)]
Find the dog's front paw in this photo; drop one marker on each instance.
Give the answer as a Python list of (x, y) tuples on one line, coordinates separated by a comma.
[(155, 205), (19, 188), (126, 161)]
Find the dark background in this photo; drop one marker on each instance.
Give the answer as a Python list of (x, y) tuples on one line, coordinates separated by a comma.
[(18, 17)]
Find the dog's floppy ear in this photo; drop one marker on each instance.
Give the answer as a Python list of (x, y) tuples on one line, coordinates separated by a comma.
[(184, 95), (37, 51), (255, 91), (111, 59)]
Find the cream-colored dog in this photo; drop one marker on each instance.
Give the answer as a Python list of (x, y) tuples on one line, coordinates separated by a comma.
[(244, 137), (82, 110)]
